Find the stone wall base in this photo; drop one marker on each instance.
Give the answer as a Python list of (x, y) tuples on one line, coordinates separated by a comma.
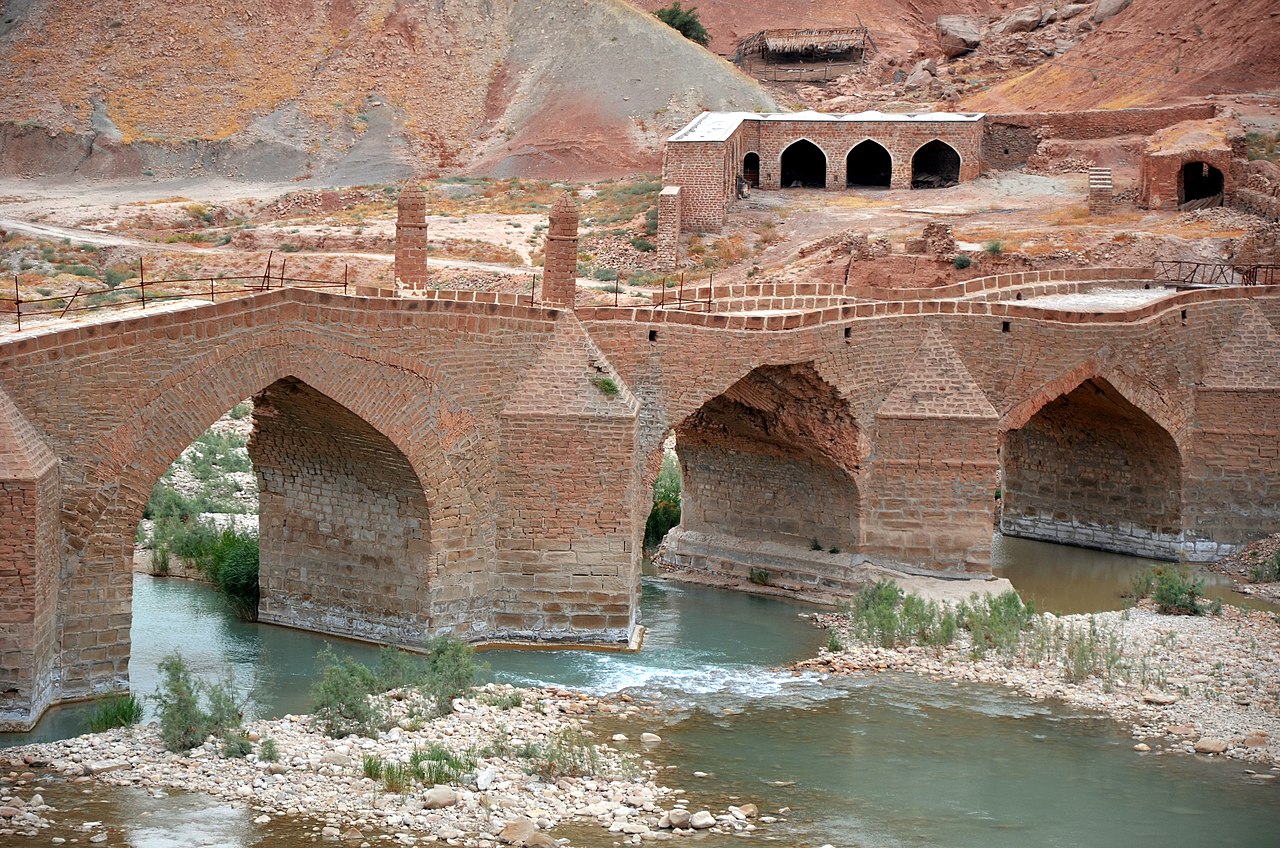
[(1123, 538)]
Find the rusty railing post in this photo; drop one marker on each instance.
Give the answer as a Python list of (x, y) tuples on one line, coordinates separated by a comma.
[(266, 274), (17, 302), (142, 281), (711, 284), (680, 295), (211, 300), (63, 313), (344, 277)]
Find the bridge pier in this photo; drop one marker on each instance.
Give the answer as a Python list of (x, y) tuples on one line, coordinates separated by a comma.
[(29, 525)]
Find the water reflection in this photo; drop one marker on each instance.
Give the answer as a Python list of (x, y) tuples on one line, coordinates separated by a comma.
[(1063, 579)]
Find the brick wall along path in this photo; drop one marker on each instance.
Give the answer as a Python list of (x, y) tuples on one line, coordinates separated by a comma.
[(446, 465)]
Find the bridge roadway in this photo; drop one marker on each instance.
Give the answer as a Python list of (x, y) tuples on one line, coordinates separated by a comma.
[(463, 464)]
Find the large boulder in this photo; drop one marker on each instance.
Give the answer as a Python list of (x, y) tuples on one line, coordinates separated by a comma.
[(1109, 9), (958, 34), (1023, 20)]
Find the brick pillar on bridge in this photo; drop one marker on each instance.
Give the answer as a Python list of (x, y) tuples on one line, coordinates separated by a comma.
[(560, 259), (411, 238)]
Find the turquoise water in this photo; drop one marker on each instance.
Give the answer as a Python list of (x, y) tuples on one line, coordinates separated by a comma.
[(881, 761)]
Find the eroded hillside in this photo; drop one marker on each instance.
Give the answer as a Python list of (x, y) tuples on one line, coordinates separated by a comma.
[(346, 89)]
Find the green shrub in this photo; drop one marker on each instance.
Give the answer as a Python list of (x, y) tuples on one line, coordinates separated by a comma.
[(395, 777), (1267, 571), (643, 245), (962, 261), (605, 274), (569, 753), (236, 745), (115, 275), (371, 766), (834, 645), (758, 576), (184, 723), (665, 513), (684, 21), (452, 671), (606, 385), (340, 697), (269, 752), (1176, 592), (994, 248), (995, 621), (116, 711)]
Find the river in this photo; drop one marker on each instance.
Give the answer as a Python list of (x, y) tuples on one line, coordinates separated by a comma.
[(892, 760)]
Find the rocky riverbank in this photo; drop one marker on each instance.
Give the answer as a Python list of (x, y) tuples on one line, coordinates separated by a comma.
[(1255, 568), (526, 762), (1200, 684)]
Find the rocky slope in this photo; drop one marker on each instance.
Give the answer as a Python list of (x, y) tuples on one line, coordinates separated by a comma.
[(1152, 51), (347, 90)]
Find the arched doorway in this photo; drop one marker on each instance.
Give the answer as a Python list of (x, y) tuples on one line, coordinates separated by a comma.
[(804, 165), (868, 164), (1093, 470), (751, 169), (1200, 183), (935, 165)]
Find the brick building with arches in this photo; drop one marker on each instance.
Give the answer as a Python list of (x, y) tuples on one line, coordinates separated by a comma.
[(706, 160)]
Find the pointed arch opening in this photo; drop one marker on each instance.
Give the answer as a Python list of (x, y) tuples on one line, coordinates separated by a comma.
[(769, 469), (1091, 469), (868, 165), (751, 169), (935, 165), (803, 165), (337, 517)]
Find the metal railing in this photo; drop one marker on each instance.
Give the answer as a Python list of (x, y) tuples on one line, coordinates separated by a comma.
[(1183, 273), (146, 291)]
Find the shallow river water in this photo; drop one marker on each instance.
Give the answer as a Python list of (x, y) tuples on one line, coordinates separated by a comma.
[(883, 761)]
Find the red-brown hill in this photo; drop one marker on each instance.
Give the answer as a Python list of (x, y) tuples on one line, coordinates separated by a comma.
[(347, 90)]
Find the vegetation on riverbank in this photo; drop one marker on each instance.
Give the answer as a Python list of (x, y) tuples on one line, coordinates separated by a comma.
[(190, 710), (665, 513), (444, 671)]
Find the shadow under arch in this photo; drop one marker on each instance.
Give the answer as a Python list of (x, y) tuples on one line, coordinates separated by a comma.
[(1088, 467), (769, 466), (935, 164), (803, 164)]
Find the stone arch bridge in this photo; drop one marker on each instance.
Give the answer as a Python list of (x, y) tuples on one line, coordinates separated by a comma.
[(453, 464)]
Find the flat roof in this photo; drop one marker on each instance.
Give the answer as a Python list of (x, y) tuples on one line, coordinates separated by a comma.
[(719, 126)]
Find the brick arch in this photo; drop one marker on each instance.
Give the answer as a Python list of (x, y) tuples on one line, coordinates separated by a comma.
[(878, 143), (914, 153), (773, 459), (1145, 398), (184, 404), (826, 158)]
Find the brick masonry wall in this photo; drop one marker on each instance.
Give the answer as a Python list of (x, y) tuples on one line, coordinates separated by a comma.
[(345, 524), (699, 170), (669, 228), (1103, 123), (412, 241)]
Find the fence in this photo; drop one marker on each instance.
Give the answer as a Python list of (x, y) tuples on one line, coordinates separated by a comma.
[(146, 292), (1182, 273)]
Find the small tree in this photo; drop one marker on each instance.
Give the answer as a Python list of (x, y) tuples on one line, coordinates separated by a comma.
[(685, 21)]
